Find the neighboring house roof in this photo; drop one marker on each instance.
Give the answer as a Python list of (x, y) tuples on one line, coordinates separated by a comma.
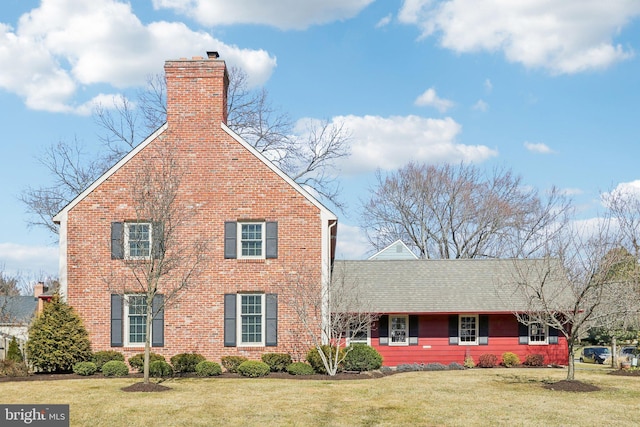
[(16, 310), (396, 250), (445, 286), (328, 214)]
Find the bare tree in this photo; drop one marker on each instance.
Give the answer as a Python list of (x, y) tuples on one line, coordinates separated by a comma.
[(308, 158), (575, 288), (452, 211), (330, 315), (161, 261)]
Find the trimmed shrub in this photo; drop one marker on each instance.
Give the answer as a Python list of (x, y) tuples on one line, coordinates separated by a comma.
[(510, 359), (231, 363), (208, 369), (314, 359), (277, 362), (85, 368), (14, 353), (455, 366), (102, 357), (9, 368), (160, 369), (57, 339), (487, 360), (362, 357), (300, 368), (115, 368), (469, 363), (534, 360), (186, 362), (137, 362), (253, 368), (434, 367)]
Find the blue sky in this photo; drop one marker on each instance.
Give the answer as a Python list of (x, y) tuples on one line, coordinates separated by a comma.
[(551, 92)]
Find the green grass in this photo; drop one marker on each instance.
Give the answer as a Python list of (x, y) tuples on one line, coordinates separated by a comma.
[(475, 397)]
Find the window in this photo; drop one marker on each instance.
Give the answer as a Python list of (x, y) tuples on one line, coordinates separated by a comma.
[(360, 336), (137, 240), (251, 309), (537, 333), (135, 320), (468, 330), (399, 328), (251, 240)]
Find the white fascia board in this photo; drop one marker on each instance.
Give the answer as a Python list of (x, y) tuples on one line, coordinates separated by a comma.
[(326, 213), (58, 217)]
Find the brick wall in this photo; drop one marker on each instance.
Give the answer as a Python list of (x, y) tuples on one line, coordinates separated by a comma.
[(220, 181)]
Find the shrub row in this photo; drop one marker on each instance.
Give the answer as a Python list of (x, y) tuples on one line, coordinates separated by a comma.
[(509, 360)]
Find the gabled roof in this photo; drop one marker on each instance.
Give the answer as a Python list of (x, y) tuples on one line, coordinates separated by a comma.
[(327, 213), (17, 309), (396, 250), (443, 286)]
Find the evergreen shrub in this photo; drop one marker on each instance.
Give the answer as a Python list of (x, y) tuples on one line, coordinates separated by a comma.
[(85, 368), (253, 368), (510, 359), (14, 353), (137, 361), (300, 368), (362, 357), (231, 363), (104, 356), (277, 362), (186, 362), (115, 368), (314, 359), (160, 369), (208, 369)]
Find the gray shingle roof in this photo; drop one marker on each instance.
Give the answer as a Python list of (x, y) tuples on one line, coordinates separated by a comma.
[(17, 309), (444, 286)]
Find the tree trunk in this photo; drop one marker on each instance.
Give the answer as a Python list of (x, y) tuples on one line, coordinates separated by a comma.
[(614, 352), (147, 339), (572, 366)]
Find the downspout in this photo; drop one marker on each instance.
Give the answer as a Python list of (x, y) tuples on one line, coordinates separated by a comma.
[(326, 280)]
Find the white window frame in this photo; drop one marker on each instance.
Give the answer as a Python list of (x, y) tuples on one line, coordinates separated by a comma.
[(263, 248), (127, 322), (263, 321), (530, 334), (350, 340), (460, 334), (406, 323), (127, 247)]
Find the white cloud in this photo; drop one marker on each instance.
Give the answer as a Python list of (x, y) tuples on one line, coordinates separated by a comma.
[(21, 259), (283, 14), (430, 98), (384, 21), (481, 106), (566, 38), (624, 190), (488, 86), (64, 46), (391, 142), (352, 242), (538, 147)]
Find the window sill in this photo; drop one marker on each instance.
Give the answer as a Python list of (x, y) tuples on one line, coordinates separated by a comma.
[(251, 260)]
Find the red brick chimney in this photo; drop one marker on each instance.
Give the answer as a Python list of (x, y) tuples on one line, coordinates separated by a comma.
[(197, 92)]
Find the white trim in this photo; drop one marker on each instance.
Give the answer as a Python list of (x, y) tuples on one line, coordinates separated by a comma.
[(349, 341), (62, 254), (263, 321), (127, 247), (546, 335), (406, 323), (111, 171), (390, 246), (476, 339)]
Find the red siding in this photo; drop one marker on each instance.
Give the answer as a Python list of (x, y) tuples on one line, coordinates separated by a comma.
[(433, 344)]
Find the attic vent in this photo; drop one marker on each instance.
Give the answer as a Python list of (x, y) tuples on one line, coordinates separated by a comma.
[(213, 55)]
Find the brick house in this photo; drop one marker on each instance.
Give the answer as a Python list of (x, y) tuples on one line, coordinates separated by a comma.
[(259, 226)]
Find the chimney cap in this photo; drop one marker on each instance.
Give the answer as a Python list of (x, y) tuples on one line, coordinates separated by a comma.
[(213, 54)]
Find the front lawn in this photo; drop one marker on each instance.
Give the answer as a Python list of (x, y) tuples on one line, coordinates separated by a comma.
[(476, 397)]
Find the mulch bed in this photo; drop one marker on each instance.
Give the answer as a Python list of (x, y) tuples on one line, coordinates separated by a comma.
[(574, 386)]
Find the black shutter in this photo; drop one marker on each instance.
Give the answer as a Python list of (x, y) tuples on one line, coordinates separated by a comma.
[(383, 329), (523, 333), (157, 322), (230, 320), (117, 240), (116, 320), (271, 317), (453, 329), (553, 335), (272, 240), (483, 329), (413, 330), (157, 240), (230, 239)]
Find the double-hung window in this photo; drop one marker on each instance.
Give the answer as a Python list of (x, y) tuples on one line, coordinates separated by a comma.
[(135, 317), (137, 240), (251, 240), (538, 333), (251, 308), (359, 334), (399, 330), (468, 330)]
